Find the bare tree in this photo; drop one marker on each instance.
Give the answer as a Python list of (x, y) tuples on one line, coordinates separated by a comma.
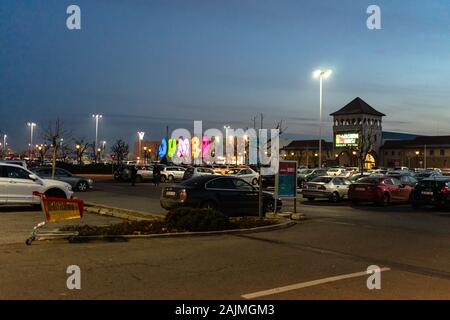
[(365, 145), (120, 150), (52, 135), (81, 146)]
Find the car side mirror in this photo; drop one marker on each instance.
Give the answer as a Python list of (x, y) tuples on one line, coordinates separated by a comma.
[(33, 177)]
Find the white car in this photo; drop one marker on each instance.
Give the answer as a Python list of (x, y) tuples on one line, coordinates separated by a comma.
[(18, 184), (336, 172), (172, 173), (246, 174)]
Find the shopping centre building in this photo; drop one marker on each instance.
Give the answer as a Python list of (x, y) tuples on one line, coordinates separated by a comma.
[(356, 127)]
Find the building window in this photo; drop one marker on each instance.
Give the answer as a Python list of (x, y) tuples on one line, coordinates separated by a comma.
[(431, 152), (393, 153), (442, 152), (386, 153)]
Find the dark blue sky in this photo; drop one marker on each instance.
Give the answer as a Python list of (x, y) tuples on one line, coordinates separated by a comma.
[(144, 64)]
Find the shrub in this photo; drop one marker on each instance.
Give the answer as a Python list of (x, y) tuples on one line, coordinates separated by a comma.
[(195, 219)]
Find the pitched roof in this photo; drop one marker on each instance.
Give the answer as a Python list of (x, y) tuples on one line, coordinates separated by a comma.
[(357, 106)]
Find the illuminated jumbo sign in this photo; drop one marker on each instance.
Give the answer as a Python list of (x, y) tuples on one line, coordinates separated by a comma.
[(346, 139), (207, 147)]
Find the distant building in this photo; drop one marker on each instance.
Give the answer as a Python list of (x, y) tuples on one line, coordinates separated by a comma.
[(420, 152), (149, 150), (353, 124)]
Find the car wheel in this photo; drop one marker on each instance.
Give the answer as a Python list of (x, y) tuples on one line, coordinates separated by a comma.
[(310, 199), (386, 200), (163, 178), (139, 179), (170, 178), (82, 186), (254, 181), (208, 205), (335, 197), (269, 207), (55, 193)]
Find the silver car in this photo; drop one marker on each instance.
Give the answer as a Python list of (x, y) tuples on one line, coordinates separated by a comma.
[(79, 183), (333, 188)]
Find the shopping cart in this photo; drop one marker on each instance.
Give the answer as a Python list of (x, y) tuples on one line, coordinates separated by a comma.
[(56, 210)]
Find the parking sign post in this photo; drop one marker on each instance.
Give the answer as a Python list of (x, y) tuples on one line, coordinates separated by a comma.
[(286, 182)]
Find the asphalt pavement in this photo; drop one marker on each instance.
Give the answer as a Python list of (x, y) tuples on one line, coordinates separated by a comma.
[(323, 257)]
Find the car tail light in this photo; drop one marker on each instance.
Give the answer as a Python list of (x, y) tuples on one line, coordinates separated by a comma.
[(322, 188), (445, 189), (183, 195)]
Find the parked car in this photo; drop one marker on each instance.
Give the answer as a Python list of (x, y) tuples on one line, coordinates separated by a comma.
[(381, 190), (122, 173), (197, 171), (427, 174), (21, 163), (144, 172), (336, 171), (432, 191), (18, 184), (309, 175), (172, 173), (230, 195), (78, 183), (405, 178), (246, 174), (358, 176), (221, 168), (333, 188)]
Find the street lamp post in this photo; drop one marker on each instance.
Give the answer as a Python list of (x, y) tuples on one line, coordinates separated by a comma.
[(97, 117), (31, 125), (5, 150), (141, 135), (321, 74)]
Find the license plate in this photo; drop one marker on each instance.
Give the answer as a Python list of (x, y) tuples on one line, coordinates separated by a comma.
[(427, 193), (170, 193), (360, 189)]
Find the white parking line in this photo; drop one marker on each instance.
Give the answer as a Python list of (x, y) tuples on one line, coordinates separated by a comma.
[(306, 284)]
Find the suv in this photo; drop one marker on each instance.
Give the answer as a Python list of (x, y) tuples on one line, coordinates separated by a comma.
[(18, 184), (172, 173), (197, 171)]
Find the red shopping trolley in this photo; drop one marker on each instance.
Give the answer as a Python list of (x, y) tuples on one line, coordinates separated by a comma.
[(56, 210)]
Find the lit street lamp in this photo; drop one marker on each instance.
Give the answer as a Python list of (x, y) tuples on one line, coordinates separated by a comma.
[(97, 117), (321, 74), (31, 125), (141, 135)]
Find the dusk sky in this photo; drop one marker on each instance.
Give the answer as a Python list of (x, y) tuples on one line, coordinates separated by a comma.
[(145, 64)]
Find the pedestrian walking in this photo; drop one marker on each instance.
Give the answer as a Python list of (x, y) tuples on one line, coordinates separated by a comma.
[(156, 175), (133, 173)]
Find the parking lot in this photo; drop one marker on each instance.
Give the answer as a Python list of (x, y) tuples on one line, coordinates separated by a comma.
[(336, 240)]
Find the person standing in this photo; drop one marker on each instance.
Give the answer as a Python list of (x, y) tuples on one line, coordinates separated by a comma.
[(133, 174), (156, 175)]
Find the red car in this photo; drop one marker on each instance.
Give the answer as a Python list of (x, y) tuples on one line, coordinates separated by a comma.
[(381, 190)]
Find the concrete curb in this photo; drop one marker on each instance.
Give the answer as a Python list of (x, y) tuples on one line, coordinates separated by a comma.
[(274, 227), (121, 213)]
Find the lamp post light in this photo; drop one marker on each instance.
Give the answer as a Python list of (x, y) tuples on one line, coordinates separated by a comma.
[(97, 117), (141, 135), (32, 125), (321, 74)]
